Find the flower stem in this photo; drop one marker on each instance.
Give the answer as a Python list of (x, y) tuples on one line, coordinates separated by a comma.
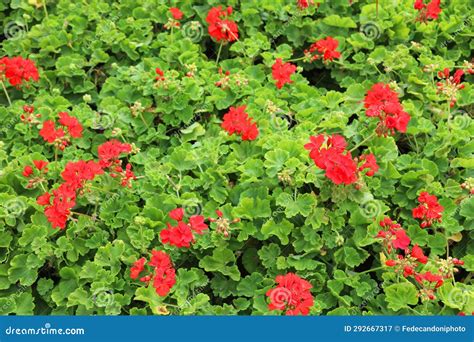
[(45, 9), (362, 142), (6, 93), (219, 53), (297, 59)]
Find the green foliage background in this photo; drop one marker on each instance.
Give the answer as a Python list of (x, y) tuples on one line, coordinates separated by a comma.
[(97, 59)]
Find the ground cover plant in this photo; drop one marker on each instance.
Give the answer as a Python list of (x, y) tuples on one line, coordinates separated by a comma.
[(266, 157)]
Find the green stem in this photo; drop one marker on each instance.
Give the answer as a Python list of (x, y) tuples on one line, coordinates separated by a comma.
[(219, 53), (362, 142), (45, 9), (297, 59), (6, 93)]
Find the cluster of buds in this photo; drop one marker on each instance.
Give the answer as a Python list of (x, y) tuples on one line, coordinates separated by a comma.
[(450, 84), (137, 109), (226, 79), (35, 177), (430, 67), (285, 177), (223, 224), (447, 267), (271, 108), (468, 185), (126, 175), (28, 116), (192, 69)]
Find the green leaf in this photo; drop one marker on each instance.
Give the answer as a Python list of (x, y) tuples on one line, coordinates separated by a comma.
[(400, 296), (222, 261), (281, 229)]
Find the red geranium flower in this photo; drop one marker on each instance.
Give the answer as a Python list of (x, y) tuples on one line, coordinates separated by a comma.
[(325, 48), (429, 210), (291, 294), (221, 28), (18, 70), (450, 85), (281, 72), (176, 13), (237, 121), (427, 11), (382, 102), (393, 234), (328, 153), (73, 126), (137, 268), (370, 163), (164, 275), (182, 234), (417, 253)]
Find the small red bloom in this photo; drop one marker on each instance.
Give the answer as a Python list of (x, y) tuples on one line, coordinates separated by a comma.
[(177, 214), (328, 153), (417, 253), (179, 236), (50, 133), (27, 171), (160, 74), (303, 4), (197, 224), (237, 121), (429, 210), (176, 13), (137, 268), (427, 11), (393, 234), (18, 70), (323, 48), (281, 72), (44, 199), (221, 28), (291, 294), (41, 164), (382, 102), (72, 124), (450, 85), (370, 163)]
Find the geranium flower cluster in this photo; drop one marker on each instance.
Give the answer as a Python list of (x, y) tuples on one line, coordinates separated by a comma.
[(383, 103), (237, 121), (176, 16), (182, 234), (407, 264), (427, 11), (281, 72), (36, 174), (18, 70), (303, 4), (109, 153), (429, 210), (28, 115), (450, 85), (323, 48), (223, 224), (329, 153), (163, 274), (291, 294), (393, 235), (61, 137), (226, 79), (220, 27), (60, 201)]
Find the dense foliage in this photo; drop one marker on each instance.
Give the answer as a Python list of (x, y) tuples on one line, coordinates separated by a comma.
[(262, 157)]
